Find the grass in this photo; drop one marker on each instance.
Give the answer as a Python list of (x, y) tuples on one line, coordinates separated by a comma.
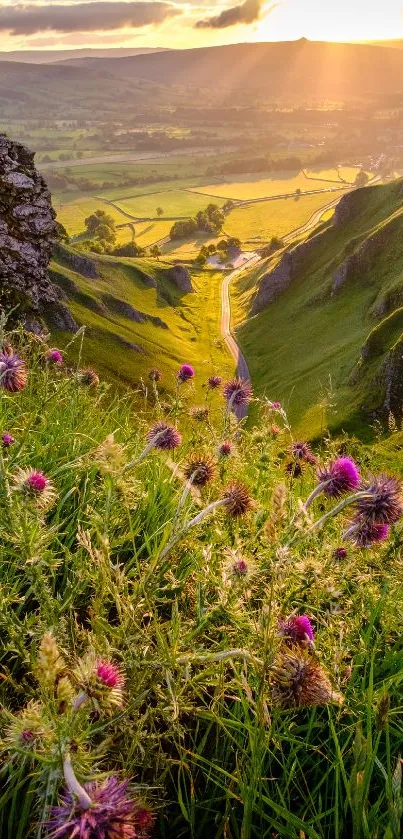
[(206, 730), (303, 349), (73, 212), (249, 187), (147, 233), (124, 350), (175, 203), (257, 223)]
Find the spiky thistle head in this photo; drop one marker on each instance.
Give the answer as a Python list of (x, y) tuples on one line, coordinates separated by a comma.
[(237, 567), (200, 469), (225, 448), (34, 486), (89, 377), (54, 356), (101, 680), (365, 533), (7, 440), (27, 728), (294, 468), (186, 373), (298, 680), (384, 503), (297, 630), (164, 436), (237, 392), (302, 451), (340, 553), (237, 499), (113, 814), (155, 375), (340, 476), (214, 382), (13, 375)]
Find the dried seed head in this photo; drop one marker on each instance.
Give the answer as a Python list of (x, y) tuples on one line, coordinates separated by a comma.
[(298, 680), (13, 375), (200, 469), (237, 499), (164, 436), (384, 503)]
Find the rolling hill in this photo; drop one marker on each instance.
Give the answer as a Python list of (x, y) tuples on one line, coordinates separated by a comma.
[(138, 316), (321, 325)]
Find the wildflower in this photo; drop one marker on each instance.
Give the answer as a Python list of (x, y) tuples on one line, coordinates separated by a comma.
[(109, 813), (214, 382), (155, 375), (186, 373), (35, 486), (340, 553), (302, 451), (237, 392), (384, 502), (297, 630), (55, 357), (298, 680), (7, 440), (342, 475), (164, 436), (200, 469), (237, 499), (26, 728), (275, 406), (50, 663), (225, 448), (237, 567), (199, 413), (13, 375), (99, 680), (274, 430), (89, 377), (365, 533)]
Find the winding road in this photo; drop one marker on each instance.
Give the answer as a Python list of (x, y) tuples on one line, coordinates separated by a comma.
[(242, 369)]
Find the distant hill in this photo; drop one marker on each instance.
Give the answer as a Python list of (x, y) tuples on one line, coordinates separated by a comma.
[(324, 323), (50, 56)]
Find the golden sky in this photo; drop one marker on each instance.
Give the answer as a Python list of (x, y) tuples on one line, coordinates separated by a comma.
[(192, 23)]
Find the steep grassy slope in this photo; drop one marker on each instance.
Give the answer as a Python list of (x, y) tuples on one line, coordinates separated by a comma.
[(309, 345), (162, 327)]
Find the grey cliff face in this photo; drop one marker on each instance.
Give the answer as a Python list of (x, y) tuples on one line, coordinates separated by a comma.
[(27, 231)]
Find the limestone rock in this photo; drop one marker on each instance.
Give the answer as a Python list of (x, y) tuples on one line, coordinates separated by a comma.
[(180, 276), (27, 231)]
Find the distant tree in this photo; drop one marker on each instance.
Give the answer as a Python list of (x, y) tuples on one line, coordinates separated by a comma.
[(99, 219), (130, 249), (105, 234), (46, 159), (228, 206), (160, 212), (361, 179), (155, 251), (80, 155), (201, 260), (298, 191)]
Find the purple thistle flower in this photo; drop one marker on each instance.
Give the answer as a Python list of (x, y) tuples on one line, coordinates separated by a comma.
[(225, 448), (276, 406), (112, 814), (384, 502), (342, 475), (340, 553), (109, 674), (240, 567), (214, 382), (297, 630), (13, 375), (164, 436), (55, 357), (237, 392), (186, 373), (37, 482), (7, 439), (303, 451), (365, 533)]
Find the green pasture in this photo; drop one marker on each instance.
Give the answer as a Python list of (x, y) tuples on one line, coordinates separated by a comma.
[(243, 188)]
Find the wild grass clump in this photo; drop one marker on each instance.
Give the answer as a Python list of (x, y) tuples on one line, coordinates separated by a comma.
[(195, 640)]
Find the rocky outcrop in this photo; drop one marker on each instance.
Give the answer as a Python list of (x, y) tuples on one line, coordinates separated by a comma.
[(277, 281), (393, 378), (180, 276), (359, 263), (27, 231), (79, 263), (120, 307)]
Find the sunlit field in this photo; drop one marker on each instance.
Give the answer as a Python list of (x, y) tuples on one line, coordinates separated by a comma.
[(257, 223), (146, 233), (72, 214), (174, 203), (249, 187)]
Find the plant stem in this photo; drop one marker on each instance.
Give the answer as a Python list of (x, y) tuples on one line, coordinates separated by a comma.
[(192, 523), (73, 785)]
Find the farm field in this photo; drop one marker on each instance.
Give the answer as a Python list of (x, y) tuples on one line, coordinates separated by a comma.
[(175, 203), (257, 223), (73, 212), (249, 187), (146, 233)]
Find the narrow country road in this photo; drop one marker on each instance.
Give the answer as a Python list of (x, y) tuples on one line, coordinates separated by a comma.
[(242, 369)]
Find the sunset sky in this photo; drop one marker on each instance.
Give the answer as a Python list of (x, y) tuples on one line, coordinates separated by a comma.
[(192, 23)]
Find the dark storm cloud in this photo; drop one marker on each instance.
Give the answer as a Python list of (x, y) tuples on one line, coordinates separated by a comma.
[(82, 17), (247, 12)]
